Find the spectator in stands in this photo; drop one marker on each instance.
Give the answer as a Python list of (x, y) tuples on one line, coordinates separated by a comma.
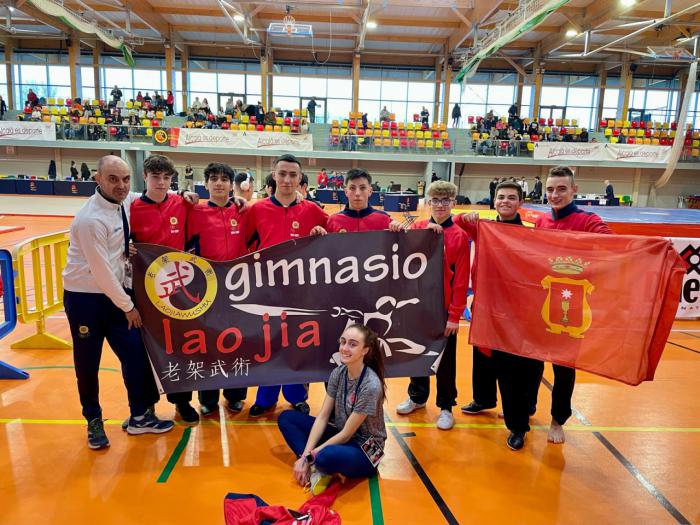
[(196, 104), (158, 100), (270, 118), (311, 107), (524, 185), (147, 98), (170, 102), (512, 111), (534, 128), (364, 120), (84, 171), (116, 94), (205, 106), (73, 171), (456, 115), (3, 109), (32, 99), (139, 97), (536, 194), (512, 135), (229, 106), (583, 137), (609, 192), (36, 113), (384, 114), (424, 116), (189, 178), (489, 145)]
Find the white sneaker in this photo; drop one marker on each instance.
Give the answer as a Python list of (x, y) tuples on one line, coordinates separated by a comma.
[(318, 482), (408, 406), (445, 420)]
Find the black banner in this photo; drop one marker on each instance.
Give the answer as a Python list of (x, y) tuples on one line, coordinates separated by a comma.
[(274, 316)]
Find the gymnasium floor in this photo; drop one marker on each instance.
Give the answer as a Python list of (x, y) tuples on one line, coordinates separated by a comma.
[(631, 454)]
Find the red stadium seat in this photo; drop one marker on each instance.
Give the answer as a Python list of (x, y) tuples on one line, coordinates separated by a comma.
[(534, 137), (258, 127), (385, 124), (630, 140), (112, 130), (674, 125), (603, 124), (647, 133), (361, 132), (394, 125), (394, 133), (635, 124), (295, 121), (470, 119), (155, 123), (447, 144), (287, 121), (542, 121), (550, 121), (404, 143)]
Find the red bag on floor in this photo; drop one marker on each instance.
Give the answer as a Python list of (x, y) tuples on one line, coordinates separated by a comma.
[(249, 509)]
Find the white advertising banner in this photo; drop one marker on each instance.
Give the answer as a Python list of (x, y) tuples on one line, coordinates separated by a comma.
[(207, 138), (689, 250), (601, 152), (27, 130)]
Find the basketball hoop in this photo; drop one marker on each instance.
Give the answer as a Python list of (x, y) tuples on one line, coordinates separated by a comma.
[(288, 22)]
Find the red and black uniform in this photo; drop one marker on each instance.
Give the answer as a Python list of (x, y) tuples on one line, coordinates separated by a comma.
[(570, 218), (456, 283), (322, 179), (366, 220), (218, 233), (269, 223), (162, 223), (517, 377)]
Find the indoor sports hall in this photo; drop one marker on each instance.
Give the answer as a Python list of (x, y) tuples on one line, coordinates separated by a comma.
[(416, 93)]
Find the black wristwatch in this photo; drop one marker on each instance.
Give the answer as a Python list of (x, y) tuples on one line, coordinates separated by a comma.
[(310, 458)]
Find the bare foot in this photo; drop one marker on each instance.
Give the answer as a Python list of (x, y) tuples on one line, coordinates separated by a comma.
[(500, 414), (556, 433)]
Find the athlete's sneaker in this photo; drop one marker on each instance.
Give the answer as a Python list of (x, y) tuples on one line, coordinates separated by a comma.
[(149, 410), (258, 410), (445, 420), (207, 410), (235, 407), (97, 438), (149, 424), (408, 406), (302, 407), (516, 440), (318, 482), (474, 408), (187, 413)]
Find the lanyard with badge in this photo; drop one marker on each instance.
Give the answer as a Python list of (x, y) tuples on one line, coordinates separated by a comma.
[(128, 271), (370, 447)]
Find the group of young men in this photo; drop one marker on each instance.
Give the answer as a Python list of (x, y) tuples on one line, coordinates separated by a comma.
[(99, 301)]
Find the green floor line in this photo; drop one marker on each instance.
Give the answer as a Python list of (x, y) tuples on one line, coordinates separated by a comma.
[(376, 501), (175, 456), (49, 367)]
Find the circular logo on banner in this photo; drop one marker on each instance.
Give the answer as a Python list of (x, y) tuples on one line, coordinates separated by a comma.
[(173, 220), (295, 225), (161, 136), (342, 230), (234, 222), (181, 285)]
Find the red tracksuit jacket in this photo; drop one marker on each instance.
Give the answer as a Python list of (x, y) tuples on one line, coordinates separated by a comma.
[(456, 267), (217, 232), (572, 218), (160, 223), (366, 220), (270, 223)]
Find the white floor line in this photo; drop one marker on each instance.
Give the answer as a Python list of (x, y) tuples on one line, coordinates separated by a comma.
[(683, 330), (192, 450), (224, 437)]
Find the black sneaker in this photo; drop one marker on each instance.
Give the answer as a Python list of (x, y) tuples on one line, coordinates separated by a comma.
[(475, 408), (149, 410), (516, 440), (207, 410), (187, 413), (235, 407), (302, 407), (97, 438), (148, 424), (258, 410)]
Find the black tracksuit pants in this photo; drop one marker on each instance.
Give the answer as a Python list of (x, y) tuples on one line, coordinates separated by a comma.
[(562, 390), (446, 376)]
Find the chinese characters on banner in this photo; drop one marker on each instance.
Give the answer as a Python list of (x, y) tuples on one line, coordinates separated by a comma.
[(600, 303), (274, 317)]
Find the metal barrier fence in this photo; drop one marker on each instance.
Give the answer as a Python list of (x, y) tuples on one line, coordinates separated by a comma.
[(9, 321), (42, 259)]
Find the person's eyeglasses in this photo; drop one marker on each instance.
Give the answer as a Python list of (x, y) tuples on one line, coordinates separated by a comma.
[(440, 202)]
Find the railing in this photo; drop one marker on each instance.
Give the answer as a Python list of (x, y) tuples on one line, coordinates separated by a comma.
[(43, 258)]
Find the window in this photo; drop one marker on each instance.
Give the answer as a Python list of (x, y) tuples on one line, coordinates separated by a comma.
[(231, 83), (286, 86), (553, 96), (423, 91), (314, 87), (200, 81), (370, 89), (340, 87)]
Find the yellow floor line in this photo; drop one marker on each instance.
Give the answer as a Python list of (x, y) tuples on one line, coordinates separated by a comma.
[(398, 424)]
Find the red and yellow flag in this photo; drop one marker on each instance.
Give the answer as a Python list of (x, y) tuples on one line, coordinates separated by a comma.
[(600, 303)]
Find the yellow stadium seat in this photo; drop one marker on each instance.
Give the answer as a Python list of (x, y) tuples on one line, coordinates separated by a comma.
[(149, 132), (613, 140), (45, 110), (52, 101), (429, 144), (395, 143), (242, 127), (62, 110), (369, 132), (434, 126), (401, 125), (377, 143), (695, 152), (335, 123), (574, 122), (639, 141), (530, 146), (696, 143), (66, 118), (484, 136), (60, 101), (98, 113), (286, 129), (627, 124), (640, 133), (360, 140), (656, 133), (92, 120), (101, 121), (409, 125), (618, 123), (442, 126), (608, 132), (279, 121), (344, 124), (386, 143), (664, 133), (696, 134), (82, 120), (129, 104), (189, 124), (335, 132), (625, 131), (419, 134), (385, 133), (278, 129), (95, 102), (245, 118), (655, 142), (611, 123), (46, 118), (411, 134), (161, 116), (475, 136), (54, 110), (269, 127), (672, 133), (565, 122), (251, 127), (420, 143), (438, 144), (392, 116), (647, 141), (444, 135), (664, 125), (137, 104)]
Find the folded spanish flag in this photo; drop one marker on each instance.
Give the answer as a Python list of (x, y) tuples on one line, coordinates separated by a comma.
[(600, 303)]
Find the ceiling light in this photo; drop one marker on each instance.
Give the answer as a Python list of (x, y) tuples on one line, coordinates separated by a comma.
[(238, 18), (371, 25), (571, 33), (628, 3)]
